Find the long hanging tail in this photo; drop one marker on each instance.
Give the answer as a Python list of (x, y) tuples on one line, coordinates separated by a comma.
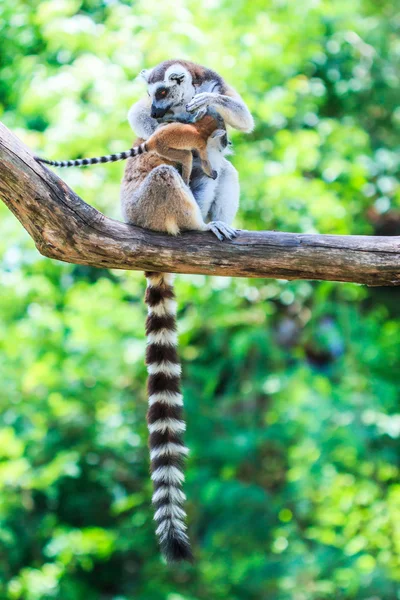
[(83, 162), (164, 417)]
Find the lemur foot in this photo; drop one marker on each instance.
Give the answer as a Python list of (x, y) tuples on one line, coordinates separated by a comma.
[(214, 174), (221, 230)]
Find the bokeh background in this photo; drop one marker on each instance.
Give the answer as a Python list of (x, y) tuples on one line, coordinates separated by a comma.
[(292, 388)]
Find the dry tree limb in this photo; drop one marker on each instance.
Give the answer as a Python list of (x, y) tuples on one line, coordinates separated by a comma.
[(66, 228)]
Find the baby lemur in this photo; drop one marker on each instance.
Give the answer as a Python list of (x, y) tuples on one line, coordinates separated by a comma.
[(174, 142), (177, 141)]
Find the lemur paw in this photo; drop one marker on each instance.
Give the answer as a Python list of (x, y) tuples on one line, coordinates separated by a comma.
[(221, 230), (201, 101), (199, 115)]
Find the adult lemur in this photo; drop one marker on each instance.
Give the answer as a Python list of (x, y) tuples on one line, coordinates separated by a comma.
[(153, 195)]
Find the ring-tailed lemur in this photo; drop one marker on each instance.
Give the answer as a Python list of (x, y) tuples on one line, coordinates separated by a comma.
[(154, 196)]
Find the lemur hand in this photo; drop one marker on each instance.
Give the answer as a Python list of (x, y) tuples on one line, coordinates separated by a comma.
[(202, 101), (199, 115)]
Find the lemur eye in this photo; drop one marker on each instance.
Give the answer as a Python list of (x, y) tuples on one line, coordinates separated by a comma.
[(161, 93)]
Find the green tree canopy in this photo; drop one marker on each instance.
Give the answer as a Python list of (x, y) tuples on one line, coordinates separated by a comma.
[(291, 388)]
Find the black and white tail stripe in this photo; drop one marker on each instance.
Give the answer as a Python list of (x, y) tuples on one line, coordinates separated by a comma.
[(83, 162), (164, 417)]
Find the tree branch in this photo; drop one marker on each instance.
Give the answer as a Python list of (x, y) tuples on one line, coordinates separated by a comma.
[(66, 228)]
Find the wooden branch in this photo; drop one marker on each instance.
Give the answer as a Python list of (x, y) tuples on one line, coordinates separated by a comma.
[(66, 228)]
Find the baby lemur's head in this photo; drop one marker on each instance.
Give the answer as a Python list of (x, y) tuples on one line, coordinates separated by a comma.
[(171, 89), (218, 140)]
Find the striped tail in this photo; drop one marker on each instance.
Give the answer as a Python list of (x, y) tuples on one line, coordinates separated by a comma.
[(84, 162), (164, 417)]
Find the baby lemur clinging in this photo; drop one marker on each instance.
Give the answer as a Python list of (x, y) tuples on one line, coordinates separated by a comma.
[(177, 141), (174, 142)]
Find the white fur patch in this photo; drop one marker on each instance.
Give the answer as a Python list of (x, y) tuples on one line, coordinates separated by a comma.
[(177, 69), (167, 367), (160, 278), (174, 524), (169, 491), (171, 226), (165, 307), (169, 475), (169, 449), (162, 425), (163, 336), (169, 510), (169, 398)]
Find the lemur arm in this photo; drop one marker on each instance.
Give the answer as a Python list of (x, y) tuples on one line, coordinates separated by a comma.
[(144, 125), (229, 105), (140, 120)]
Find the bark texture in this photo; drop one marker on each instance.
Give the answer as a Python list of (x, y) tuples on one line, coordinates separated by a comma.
[(66, 228)]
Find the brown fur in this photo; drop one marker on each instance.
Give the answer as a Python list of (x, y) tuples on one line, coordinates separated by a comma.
[(176, 141), (167, 204)]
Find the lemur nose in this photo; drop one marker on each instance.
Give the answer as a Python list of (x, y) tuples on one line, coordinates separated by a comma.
[(157, 112)]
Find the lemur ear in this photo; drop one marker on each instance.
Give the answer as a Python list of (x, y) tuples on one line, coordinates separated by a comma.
[(218, 133), (178, 77), (144, 74)]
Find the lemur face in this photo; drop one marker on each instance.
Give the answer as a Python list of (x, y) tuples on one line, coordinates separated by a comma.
[(174, 90)]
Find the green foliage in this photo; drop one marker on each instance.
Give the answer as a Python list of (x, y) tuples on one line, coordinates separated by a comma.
[(291, 387)]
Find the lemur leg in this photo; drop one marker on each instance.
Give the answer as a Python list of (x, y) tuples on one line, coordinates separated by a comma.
[(161, 202), (184, 157), (205, 163)]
